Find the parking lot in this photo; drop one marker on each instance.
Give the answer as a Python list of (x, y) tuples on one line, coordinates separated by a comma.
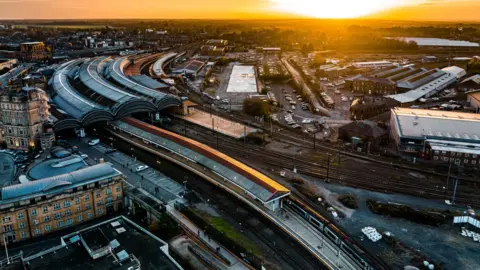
[(137, 172), (341, 98)]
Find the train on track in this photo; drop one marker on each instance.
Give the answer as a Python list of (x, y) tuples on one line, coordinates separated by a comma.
[(333, 233)]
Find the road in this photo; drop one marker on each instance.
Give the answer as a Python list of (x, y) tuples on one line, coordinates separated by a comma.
[(299, 80)]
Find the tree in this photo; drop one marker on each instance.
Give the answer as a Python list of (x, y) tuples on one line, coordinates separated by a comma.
[(256, 107)]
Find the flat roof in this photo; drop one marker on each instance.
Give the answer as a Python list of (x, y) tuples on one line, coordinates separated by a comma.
[(242, 80), (126, 239), (458, 72), (437, 124), (260, 185), (58, 166)]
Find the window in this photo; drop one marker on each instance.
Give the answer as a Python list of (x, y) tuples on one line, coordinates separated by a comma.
[(47, 219), (435, 158), (7, 228), (474, 156), (445, 158), (37, 231), (88, 206), (80, 218), (79, 209), (100, 211), (23, 235), (109, 199), (34, 212), (21, 225), (20, 215), (474, 162), (35, 222), (118, 188), (57, 215), (68, 212), (77, 200), (45, 209), (465, 161), (69, 222), (60, 224), (99, 202), (443, 152), (98, 194), (48, 228), (436, 152), (119, 196), (56, 206), (89, 215), (66, 203), (467, 155), (108, 191), (87, 197), (6, 219)]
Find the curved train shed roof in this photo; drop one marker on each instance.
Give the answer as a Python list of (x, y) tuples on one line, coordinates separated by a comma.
[(85, 109)]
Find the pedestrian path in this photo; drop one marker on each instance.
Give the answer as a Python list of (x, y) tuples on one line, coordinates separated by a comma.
[(201, 235)]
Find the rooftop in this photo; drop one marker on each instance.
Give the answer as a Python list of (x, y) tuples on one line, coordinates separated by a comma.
[(242, 80), (53, 167), (432, 124), (57, 184), (131, 246)]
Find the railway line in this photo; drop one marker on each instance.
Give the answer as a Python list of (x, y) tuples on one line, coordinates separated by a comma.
[(353, 177)]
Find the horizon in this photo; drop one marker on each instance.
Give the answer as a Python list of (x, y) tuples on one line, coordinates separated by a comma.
[(385, 10)]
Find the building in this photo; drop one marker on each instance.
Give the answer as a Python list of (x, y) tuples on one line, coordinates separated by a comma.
[(429, 59), (365, 130), (36, 208), (23, 115), (47, 140), (437, 135), (427, 85), (366, 108), (470, 83), (473, 97), (212, 51), (373, 64), (34, 51), (116, 243), (9, 64), (190, 68), (458, 72), (217, 42)]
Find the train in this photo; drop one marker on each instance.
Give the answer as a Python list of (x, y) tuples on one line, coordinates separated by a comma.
[(332, 232)]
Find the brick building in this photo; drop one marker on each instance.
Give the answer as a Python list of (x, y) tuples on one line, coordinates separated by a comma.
[(34, 51)]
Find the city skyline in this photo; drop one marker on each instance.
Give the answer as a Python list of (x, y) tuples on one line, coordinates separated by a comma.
[(410, 10)]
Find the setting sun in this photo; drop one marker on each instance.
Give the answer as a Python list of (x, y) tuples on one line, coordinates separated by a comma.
[(335, 8)]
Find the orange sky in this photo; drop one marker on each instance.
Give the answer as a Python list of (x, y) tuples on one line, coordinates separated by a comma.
[(449, 10)]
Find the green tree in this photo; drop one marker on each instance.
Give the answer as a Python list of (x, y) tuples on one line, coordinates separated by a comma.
[(256, 107)]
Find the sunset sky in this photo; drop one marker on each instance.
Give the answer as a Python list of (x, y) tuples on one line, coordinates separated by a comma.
[(437, 10)]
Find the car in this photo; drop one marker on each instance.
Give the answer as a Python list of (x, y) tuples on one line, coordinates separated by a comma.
[(299, 96), (300, 99), (435, 98), (296, 126), (294, 91), (37, 156), (293, 107), (23, 166), (337, 92), (292, 102), (94, 142), (141, 168), (289, 111), (84, 156), (40, 152)]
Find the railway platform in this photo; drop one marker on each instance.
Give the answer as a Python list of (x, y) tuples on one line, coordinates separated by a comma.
[(291, 223)]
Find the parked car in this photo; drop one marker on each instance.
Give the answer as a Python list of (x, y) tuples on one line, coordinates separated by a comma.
[(141, 168), (93, 142)]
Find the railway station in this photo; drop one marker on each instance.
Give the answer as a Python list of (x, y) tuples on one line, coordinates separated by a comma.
[(255, 184)]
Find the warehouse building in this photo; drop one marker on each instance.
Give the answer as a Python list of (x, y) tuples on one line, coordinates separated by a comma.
[(442, 136)]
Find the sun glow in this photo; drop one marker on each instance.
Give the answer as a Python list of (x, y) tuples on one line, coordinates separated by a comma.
[(335, 8)]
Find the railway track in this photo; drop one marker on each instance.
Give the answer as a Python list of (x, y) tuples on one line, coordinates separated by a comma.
[(347, 176)]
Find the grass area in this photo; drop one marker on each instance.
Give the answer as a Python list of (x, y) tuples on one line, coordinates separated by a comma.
[(211, 91), (229, 231), (349, 201), (232, 233)]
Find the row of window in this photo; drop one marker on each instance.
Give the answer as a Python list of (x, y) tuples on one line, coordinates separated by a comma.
[(457, 161), (59, 225), (453, 154)]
